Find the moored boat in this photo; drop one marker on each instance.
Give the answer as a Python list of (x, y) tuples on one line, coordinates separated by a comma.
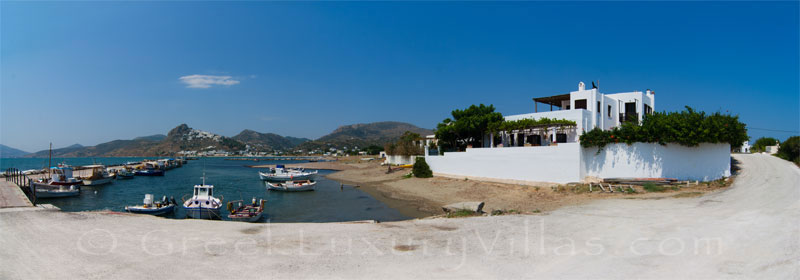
[(246, 212), (281, 173), (100, 176), (150, 207), (292, 186), (149, 172), (124, 173), (60, 184)]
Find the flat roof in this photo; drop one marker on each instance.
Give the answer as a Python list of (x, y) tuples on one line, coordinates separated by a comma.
[(554, 100)]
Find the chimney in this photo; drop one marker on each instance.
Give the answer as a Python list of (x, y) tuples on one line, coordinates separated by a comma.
[(648, 91)]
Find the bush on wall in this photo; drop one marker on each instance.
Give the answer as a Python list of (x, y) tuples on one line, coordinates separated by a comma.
[(687, 128)]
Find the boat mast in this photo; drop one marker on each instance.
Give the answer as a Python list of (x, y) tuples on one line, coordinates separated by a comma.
[(50, 162)]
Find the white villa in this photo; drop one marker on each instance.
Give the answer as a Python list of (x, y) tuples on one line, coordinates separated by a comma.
[(588, 108), (552, 153)]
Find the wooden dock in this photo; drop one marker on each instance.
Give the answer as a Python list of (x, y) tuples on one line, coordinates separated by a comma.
[(12, 196)]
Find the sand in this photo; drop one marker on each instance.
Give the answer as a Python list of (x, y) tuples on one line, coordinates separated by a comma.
[(749, 230), (420, 197)]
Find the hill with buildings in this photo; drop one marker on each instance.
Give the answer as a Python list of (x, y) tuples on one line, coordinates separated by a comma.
[(363, 135)]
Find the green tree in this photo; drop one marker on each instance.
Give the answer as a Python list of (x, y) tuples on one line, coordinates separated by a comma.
[(406, 145), (790, 150), (467, 126), (373, 149), (761, 144)]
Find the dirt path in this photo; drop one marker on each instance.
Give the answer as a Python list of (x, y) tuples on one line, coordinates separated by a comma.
[(747, 231)]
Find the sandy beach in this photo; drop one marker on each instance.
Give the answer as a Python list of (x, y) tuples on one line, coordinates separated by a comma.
[(420, 197)]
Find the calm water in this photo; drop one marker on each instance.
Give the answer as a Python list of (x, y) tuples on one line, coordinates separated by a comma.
[(233, 181)]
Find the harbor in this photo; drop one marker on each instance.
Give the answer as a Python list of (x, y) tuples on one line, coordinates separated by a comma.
[(329, 202)]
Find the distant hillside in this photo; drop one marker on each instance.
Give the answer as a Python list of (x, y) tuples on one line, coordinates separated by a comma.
[(8, 152), (363, 135), (268, 141), (154, 137)]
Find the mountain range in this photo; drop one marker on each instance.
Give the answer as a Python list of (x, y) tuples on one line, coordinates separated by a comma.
[(185, 138), (8, 152)]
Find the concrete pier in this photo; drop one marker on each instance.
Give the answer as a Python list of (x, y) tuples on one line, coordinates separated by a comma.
[(12, 196)]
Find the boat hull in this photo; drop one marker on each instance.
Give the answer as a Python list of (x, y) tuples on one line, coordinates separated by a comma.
[(295, 188), (150, 173), (120, 176), (202, 212), (97, 182), (55, 191), (283, 178), (246, 218), (150, 211)]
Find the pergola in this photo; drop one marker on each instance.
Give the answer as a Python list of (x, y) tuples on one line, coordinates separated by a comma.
[(552, 100)]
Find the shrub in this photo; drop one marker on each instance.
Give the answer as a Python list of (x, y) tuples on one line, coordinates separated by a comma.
[(421, 169), (761, 144), (790, 149), (687, 128)]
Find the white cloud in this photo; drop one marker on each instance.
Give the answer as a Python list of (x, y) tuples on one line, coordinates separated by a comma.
[(206, 81)]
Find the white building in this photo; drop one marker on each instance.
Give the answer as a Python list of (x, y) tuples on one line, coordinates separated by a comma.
[(553, 154), (773, 149), (588, 108), (745, 148)]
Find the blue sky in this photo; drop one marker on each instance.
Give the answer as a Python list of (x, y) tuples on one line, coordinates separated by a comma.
[(91, 72)]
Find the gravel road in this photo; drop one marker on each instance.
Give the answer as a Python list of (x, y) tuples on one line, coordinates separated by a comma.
[(750, 230)]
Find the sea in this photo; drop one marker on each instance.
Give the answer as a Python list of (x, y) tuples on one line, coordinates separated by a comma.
[(232, 180)]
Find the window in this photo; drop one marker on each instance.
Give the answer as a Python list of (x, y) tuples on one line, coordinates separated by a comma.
[(598, 107), (609, 111), (561, 138), (647, 109), (580, 104)]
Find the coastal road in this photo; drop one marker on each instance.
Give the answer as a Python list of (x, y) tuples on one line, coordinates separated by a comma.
[(750, 230)]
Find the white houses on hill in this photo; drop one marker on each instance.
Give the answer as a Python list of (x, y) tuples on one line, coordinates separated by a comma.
[(588, 108)]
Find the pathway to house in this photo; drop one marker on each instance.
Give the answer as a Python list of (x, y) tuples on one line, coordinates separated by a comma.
[(747, 231)]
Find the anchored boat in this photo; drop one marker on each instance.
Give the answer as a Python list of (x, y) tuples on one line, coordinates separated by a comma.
[(203, 204), (246, 212), (149, 172), (124, 173), (99, 176), (292, 186), (281, 173), (150, 207)]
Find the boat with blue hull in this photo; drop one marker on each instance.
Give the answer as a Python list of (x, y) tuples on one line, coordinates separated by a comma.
[(149, 172), (203, 204), (150, 207)]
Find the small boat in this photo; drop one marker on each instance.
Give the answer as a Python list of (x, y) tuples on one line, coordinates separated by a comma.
[(292, 186), (124, 174), (246, 212), (150, 207), (60, 184), (100, 176), (149, 172), (203, 204), (281, 173)]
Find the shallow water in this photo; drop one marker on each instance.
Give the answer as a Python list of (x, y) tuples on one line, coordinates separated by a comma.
[(233, 181)]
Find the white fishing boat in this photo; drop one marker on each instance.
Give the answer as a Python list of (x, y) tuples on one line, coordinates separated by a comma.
[(292, 186), (100, 176), (59, 184), (124, 173), (281, 173), (203, 204), (150, 207)]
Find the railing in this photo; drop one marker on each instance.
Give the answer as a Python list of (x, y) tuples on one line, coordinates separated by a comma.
[(20, 179)]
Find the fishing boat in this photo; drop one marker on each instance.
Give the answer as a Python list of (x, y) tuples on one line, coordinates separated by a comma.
[(59, 184), (124, 173), (150, 207), (203, 204), (100, 176), (292, 186), (246, 212), (281, 173), (149, 172)]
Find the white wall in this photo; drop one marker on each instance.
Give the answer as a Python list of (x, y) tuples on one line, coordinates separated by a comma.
[(705, 163), (559, 164), (568, 162), (400, 160)]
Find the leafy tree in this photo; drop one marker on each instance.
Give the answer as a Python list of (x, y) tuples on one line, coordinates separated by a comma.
[(761, 144), (373, 149), (790, 150), (406, 145), (467, 126), (421, 169)]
